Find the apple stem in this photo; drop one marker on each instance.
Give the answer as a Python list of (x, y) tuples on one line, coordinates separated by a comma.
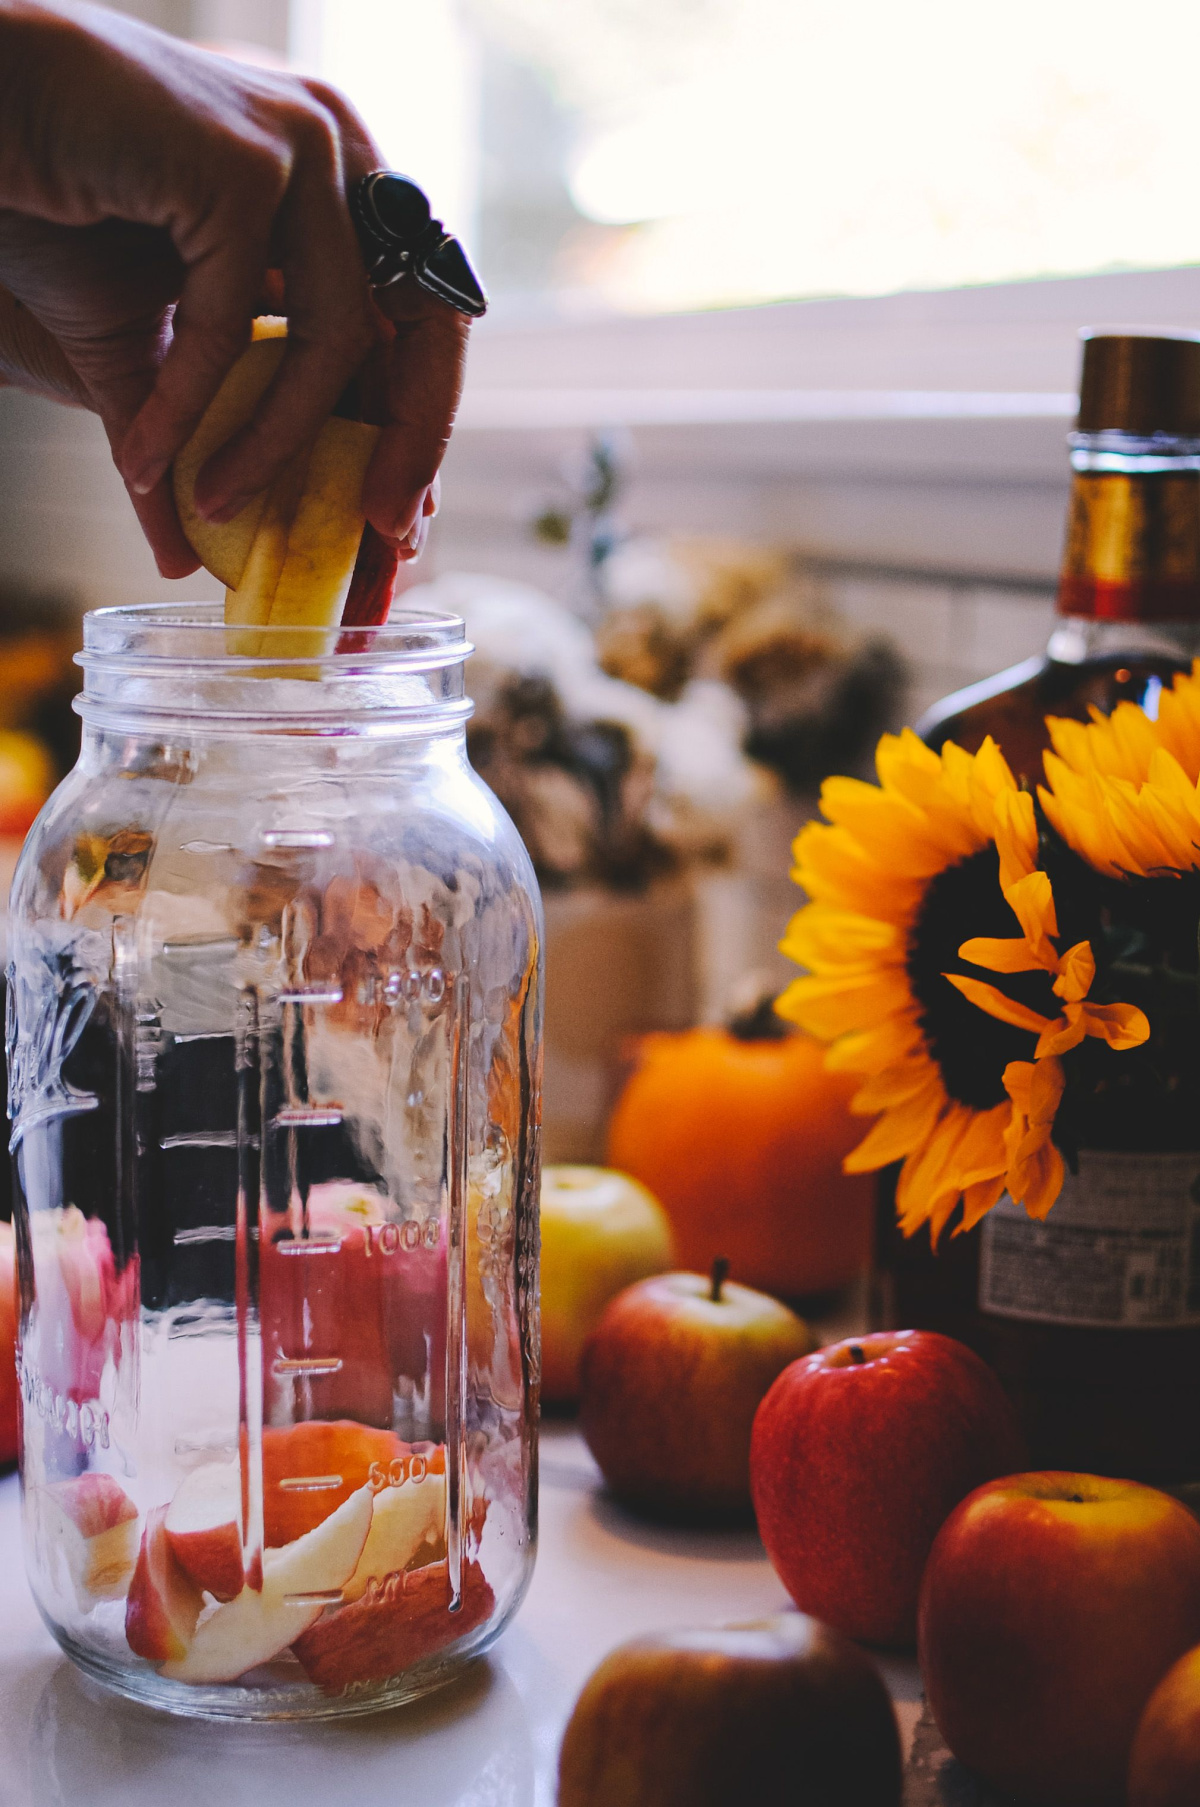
[(857, 1353), (720, 1273)]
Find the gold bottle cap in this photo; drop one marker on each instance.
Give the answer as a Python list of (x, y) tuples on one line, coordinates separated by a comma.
[(1141, 383)]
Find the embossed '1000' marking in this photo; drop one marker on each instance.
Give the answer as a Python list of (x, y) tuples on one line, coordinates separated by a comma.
[(390, 1238)]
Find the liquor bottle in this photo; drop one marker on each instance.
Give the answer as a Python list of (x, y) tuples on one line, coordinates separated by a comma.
[(1092, 1319)]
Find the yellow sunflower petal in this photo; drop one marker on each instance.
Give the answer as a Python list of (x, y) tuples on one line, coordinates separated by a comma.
[(1001, 956), (1076, 970), (1031, 900), (882, 1045), (900, 1130), (978, 1201), (833, 1005), (1120, 1025), (1005, 1010)]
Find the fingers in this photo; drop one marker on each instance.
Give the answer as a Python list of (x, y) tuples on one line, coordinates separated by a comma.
[(424, 382), (159, 522)]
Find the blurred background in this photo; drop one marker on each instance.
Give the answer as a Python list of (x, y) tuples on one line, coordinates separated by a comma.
[(762, 448)]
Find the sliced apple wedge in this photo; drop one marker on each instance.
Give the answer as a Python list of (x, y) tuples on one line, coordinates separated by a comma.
[(394, 1626), (93, 1524), (164, 1603), (287, 560), (298, 1582), (202, 1528), (407, 1521), (224, 549)]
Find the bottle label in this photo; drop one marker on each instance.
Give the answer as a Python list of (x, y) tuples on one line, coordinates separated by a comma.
[(1119, 1250), (1133, 548)]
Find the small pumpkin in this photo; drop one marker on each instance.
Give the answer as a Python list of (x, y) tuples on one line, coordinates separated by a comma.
[(740, 1132)]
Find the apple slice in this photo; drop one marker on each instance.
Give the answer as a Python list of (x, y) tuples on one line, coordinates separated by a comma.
[(93, 1524), (164, 1603), (404, 1519), (224, 549), (392, 1627), (311, 1468), (321, 547), (202, 1528), (299, 1582)]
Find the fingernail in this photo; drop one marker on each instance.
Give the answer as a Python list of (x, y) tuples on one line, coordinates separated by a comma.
[(144, 478)]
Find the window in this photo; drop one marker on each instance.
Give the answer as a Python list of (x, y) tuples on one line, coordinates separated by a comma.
[(696, 152)]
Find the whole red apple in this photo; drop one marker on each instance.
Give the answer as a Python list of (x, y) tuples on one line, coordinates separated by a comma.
[(1164, 1767), (8, 1347), (670, 1380), (859, 1453), (774, 1712), (1051, 1607)]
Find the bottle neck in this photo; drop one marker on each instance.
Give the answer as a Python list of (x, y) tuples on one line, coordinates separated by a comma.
[(1133, 530)]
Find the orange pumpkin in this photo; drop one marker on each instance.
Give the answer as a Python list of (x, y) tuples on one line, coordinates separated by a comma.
[(742, 1140)]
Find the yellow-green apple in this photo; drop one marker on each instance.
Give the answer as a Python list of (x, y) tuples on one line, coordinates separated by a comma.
[(9, 1405), (671, 1379), (93, 1525), (163, 1603), (299, 1581), (224, 548), (601, 1231), (777, 1710), (859, 1453), (1052, 1605), (1164, 1766), (202, 1528)]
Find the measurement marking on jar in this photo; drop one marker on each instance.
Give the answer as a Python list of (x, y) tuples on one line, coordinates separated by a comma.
[(201, 1138), (312, 994), (308, 1364), (203, 944), (206, 847), (307, 1119), (295, 837), (209, 1232), (190, 1446), (199, 1035), (311, 1245), (309, 1483), (334, 1597)]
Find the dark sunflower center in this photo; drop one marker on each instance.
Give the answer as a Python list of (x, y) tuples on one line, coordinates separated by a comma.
[(971, 1048)]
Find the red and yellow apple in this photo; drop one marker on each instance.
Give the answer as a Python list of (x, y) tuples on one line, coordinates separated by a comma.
[(671, 1379), (1052, 1606), (92, 1524), (601, 1231), (289, 558), (859, 1453), (777, 1710), (1164, 1765)]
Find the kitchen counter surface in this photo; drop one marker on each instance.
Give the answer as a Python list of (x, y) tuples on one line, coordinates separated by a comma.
[(490, 1740)]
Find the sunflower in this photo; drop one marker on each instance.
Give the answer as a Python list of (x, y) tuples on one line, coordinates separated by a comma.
[(944, 841), (1121, 790)]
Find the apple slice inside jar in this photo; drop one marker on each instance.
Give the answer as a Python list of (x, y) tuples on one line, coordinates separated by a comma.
[(202, 1528), (93, 1524), (298, 1582), (164, 1602)]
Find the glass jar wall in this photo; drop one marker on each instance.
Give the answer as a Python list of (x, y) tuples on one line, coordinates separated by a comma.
[(274, 1034)]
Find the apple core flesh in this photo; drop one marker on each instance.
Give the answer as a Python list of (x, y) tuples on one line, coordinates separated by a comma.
[(202, 1528), (93, 1524)]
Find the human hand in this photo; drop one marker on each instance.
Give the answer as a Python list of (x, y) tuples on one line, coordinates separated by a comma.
[(153, 198)]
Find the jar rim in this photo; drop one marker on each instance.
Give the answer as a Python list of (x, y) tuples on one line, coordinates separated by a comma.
[(183, 661)]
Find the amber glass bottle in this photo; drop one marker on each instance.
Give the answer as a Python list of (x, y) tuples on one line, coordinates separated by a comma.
[(1093, 1318)]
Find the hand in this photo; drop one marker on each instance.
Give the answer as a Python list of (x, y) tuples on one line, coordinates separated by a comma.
[(153, 198)]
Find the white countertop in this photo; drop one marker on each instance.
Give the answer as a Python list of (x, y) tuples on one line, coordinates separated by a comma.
[(490, 1740)]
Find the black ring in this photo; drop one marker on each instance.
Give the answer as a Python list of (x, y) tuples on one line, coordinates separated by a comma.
[(399, 237)]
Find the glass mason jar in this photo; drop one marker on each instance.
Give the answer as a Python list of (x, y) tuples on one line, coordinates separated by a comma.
[(274, 1042)]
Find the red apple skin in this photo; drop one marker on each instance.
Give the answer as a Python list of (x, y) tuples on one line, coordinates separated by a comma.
[(9, 1405), (855, 1464), (669, 1383), (1164, 1767), (1052, 1605), (773, 1713), (163, 1603)]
